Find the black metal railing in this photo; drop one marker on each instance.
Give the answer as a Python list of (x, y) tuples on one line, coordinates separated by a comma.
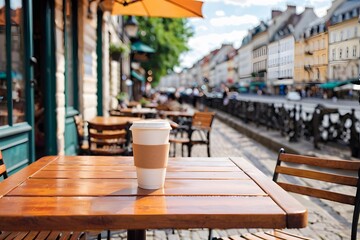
[(322, 125)]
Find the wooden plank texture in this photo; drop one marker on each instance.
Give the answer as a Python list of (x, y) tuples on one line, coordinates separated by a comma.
[(123, 187), (77, 213), (82, 192), (297, 214), (132, 174)]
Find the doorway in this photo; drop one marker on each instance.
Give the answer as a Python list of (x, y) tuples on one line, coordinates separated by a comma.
[(44, 74)]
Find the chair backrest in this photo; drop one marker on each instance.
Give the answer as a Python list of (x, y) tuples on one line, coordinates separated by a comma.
[(320, 170), (107, 139), (3, 172), (203, 119)]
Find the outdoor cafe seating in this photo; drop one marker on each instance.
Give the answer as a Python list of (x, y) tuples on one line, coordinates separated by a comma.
[(32, 235), (338, 172), (197, 132), (108, 139)]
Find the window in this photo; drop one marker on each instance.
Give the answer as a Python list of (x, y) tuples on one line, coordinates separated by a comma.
[(354, 51), (341, 35), (355, 31), (340, 53), (69, 53), (12, 101), (333, 54)]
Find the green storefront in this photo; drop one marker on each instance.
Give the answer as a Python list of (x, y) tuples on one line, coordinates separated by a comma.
[(30, 79)]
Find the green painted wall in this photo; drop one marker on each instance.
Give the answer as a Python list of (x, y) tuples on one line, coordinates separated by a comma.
[(70, 136), (15, 147)]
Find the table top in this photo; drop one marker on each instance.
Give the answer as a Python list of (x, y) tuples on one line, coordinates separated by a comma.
[(112, 120), (176, 114), (138, 110), (96, 192)]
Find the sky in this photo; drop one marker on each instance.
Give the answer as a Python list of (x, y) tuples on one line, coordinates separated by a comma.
[(228, 21)]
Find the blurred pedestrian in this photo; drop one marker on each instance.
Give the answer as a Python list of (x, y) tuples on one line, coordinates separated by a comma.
[(195, 95), (172, 103), (225, 94)]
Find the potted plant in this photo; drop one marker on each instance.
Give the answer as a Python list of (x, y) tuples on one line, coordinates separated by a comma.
[(122, 97), (143, 101), (116, 49)]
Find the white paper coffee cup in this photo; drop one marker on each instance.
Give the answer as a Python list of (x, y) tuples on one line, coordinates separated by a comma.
[(151, 133)]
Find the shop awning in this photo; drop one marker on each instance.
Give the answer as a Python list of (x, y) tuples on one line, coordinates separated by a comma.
[(260, 84), (137, 76), (334, 84), (141, 47), (14, 75)]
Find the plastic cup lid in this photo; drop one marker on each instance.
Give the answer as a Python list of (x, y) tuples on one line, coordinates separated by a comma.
[(151, 124)]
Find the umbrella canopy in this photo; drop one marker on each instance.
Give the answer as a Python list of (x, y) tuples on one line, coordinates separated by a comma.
[(158, 8)]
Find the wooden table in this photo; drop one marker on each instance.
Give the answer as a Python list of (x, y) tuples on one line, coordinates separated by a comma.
[(176, 114), (97, 193), (138, 112), (113, 120)]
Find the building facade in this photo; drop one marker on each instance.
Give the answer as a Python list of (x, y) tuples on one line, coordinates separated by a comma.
[(245, 65), (55, 65), (344, 42)]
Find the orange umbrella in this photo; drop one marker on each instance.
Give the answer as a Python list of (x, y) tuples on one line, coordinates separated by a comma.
[(157, 8)]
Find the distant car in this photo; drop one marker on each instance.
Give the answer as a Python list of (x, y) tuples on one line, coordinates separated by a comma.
[(293, 96)]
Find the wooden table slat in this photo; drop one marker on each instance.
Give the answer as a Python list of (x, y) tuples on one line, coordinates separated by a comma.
[(124, 187), (132, 168), (21, 176), (132, 174), (297, 215), (142, 212)]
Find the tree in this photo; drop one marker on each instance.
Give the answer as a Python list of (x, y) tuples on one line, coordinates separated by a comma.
[(169, 37)]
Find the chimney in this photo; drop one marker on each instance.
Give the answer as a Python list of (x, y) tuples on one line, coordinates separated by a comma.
[(275, 13), (291, 7)]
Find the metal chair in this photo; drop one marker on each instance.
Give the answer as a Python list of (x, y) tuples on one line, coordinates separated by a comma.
[(337, 172), (201, 126)]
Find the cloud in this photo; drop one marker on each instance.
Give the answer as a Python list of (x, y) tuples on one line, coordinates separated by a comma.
[(234, 20), (320, 12), (202, 45), (201, 28), (220, 13), (248, 3)]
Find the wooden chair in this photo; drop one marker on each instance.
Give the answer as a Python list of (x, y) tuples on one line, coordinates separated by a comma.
[(201, 124), (319, 170), (83, 145), (32, 235), (108, 139)]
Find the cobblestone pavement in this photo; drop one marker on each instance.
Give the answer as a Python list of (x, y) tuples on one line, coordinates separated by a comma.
[(327, 220)]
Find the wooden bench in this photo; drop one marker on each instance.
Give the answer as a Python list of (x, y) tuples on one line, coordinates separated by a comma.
[(316, 169)]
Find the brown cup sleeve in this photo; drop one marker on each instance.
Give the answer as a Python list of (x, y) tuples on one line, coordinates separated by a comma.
[(151, 156)]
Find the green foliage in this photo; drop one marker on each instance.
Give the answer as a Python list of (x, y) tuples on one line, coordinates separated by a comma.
[(143, 101), (119, 48), (122, 96), (169, 37)]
